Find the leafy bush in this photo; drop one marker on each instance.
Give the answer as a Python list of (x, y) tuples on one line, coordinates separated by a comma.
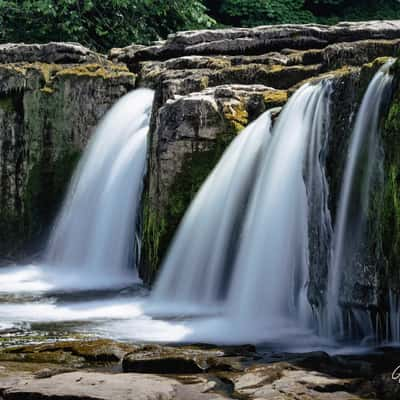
[(102, 24), (99, 24), (259, 12)]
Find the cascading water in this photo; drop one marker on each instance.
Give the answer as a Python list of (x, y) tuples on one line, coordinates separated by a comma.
[(92, 243), (197, 269), (246, 246), (244, 241), (361, 167), (272, 266), (96, 227)]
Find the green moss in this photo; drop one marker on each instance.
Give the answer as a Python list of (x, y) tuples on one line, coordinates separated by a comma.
[(236, 116), (96, 71), (275, 98), (159, 227), (47, 90), (45, 189), (154, 229), (377, 63), (7, 104), (390, 210)]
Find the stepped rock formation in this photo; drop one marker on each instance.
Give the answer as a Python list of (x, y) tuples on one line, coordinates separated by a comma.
[(209, 86), (278, 57)]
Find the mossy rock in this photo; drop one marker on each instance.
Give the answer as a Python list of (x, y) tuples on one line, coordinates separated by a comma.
[(160, 227), (390, 209), (71, 353)]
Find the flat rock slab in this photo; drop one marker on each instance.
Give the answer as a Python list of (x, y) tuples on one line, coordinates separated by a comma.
[(258, 40), (53, 52), (185, 360), (100, 386)]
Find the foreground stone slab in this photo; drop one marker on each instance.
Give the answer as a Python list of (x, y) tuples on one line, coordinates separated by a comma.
[(91, 370), (283, 381), (100, 386)]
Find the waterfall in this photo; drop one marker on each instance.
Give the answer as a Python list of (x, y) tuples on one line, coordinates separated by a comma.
[(94, 233), (198, 267), (350, 226), (272, 266), (243, 244)]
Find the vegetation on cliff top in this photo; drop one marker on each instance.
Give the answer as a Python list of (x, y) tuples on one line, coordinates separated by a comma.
[(99, 24), (102, 24), (259, 12)]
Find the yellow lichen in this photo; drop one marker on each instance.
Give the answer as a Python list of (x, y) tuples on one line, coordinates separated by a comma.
[(47, 90), (275, 98), (47, 70), (13, 68), (236, 114), (276, 68), (337, 73), (96, 70), (378, 62)]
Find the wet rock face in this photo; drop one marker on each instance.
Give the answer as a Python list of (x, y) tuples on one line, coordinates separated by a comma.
[(47, 114), (190, 134)]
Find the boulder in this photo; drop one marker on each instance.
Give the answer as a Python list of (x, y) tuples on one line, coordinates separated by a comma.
[(50, 53)]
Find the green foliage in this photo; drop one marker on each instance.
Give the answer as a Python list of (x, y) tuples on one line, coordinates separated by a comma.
[(259, 12), (334, 11), (390, 209), (102, 24), (99, 24)]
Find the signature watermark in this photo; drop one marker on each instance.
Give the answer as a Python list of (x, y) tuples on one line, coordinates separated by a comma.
[(396, 374)]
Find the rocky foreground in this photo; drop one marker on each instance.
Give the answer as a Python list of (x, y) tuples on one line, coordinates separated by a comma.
[(107, 370)]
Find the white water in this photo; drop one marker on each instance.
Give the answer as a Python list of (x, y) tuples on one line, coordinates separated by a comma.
[(197, 268), (252, 274), (241, 253), (354, 199), (272, 267), (92, 242)]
